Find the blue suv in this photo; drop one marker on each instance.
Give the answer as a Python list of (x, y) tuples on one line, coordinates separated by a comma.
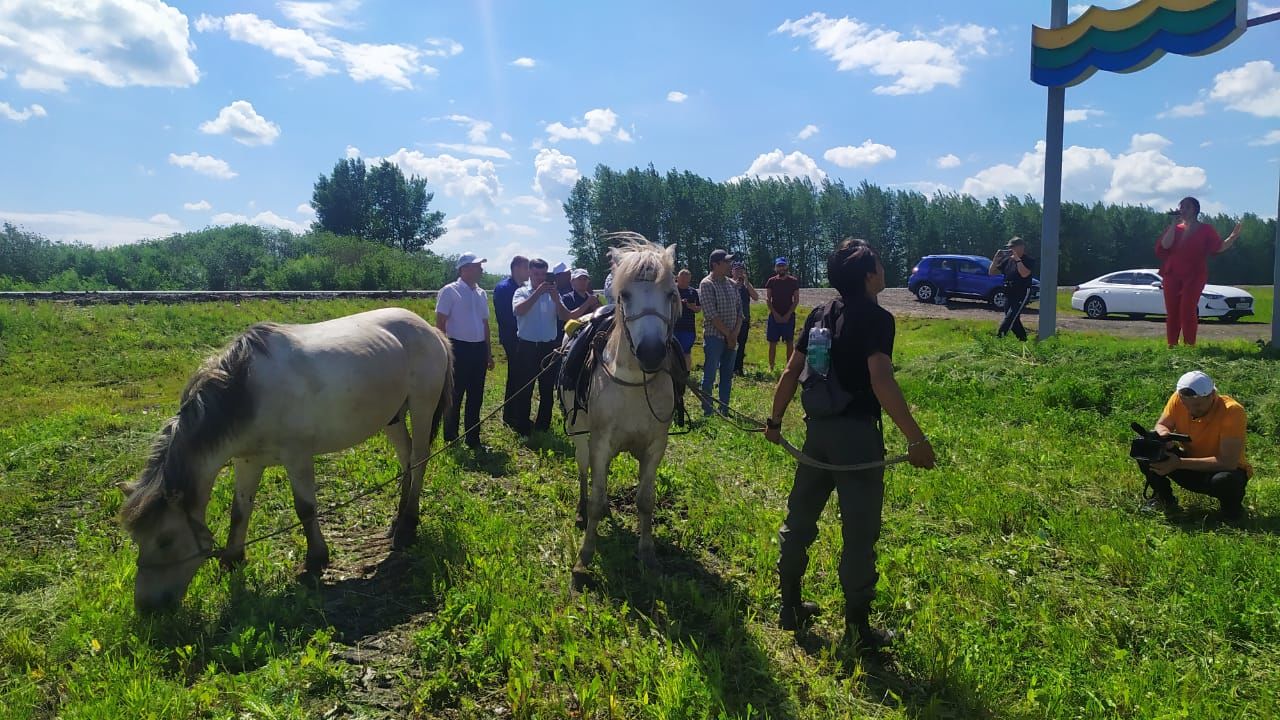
[(962, 276)]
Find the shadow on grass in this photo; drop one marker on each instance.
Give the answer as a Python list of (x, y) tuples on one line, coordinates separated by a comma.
[(370, 591), (490, 461), (1198, 518), (888, 683), (550, 440), (1264, 351), (696, 608)]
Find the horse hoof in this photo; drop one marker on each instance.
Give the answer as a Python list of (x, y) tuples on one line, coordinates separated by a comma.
[(649, 562), (581, 522), (581, 579)]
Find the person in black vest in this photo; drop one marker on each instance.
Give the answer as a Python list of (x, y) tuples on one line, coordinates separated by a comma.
[(748, 295), (686, 329), (861, 359), (1016, 265), (502, 310)]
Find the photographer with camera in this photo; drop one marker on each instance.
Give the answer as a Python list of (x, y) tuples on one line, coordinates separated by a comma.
[(1211, 461), (1185, 247), (1016, 266)]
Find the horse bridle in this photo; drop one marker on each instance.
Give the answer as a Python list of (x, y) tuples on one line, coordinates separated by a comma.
[(202, 553), (626, 331)]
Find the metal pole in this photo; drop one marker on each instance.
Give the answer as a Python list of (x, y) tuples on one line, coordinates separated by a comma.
[(1275, 282), (1052, 195)]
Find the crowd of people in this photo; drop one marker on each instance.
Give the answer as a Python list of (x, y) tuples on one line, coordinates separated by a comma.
[(534, 302)]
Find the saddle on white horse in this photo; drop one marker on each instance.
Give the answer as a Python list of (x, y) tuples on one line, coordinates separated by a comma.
[(586, 343)]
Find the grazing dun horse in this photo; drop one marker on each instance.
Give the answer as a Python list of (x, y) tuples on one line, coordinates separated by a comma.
[(632, 397), (280, 395)]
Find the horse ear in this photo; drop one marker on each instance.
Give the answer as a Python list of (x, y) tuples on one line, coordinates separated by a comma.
[(671, 253), (125, 488)]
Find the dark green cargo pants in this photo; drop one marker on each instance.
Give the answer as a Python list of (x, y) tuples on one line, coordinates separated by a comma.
[(838, 441)]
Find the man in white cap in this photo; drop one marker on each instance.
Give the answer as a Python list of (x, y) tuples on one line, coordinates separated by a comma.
[(560, 273), (462, 313), (540, 316), (581, 301), (1213, 462)]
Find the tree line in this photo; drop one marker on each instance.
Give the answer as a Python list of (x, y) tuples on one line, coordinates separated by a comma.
[(761, 219), (236, 257)]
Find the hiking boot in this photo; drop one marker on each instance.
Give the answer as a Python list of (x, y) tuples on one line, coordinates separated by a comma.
[(1166, 504), (863, 636), (796, 618)]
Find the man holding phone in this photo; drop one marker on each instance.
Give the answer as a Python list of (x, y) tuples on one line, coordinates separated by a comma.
[(540, 313), (1016, 266)]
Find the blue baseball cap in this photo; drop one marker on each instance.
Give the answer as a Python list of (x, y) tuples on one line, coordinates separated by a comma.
[(781, 261)]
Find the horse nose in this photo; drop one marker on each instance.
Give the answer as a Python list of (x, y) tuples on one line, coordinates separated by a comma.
[(651, 353)]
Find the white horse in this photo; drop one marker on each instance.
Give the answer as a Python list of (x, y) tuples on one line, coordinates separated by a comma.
[(280, 395), (631, 395)]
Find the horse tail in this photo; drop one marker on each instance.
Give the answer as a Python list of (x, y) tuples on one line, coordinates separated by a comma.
[(446, 390)]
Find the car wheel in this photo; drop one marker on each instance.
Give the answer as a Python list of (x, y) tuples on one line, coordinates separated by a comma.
[(999, 300), (1228, 318), (925, 292), (1095, 308)]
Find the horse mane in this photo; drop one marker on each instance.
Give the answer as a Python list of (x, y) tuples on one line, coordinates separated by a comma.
[(636, 259), (214, 404)]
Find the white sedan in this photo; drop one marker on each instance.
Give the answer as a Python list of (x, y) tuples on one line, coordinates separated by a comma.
[(1138, 293)]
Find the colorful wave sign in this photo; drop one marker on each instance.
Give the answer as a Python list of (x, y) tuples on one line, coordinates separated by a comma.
[(1129, 39)]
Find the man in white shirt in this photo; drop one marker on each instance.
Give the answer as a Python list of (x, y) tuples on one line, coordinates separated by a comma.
[(462, 314), (540, 314)]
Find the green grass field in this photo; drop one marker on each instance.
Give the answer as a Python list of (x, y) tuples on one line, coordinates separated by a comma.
[(1023, 579)]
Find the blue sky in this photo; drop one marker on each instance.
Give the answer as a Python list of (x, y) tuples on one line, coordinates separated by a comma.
[(124, 119)]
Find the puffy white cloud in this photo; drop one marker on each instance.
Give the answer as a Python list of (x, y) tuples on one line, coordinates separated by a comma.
[(164, 219), (1194, 109), (22, 115), (1141, 175), (676, 96), (292, 44), (864, 155), (442, 47), (266, 218), (353, 152), (315, 53), (1271, 138), (524, 62), (518, 229), (506, 137), (471, 179), (1148, 141), (948, 161), (777, 165), (468, 229), (917, 64), (92, 228), (1076, 115), (477, 130), (1257, 9), (597, 125), (807, 132), (478, 150), (554, 174), (1252, 88), (198, 206), (392, 64), (243, 123), (203, 164), (116, 43), (305, 210), (321, 16)]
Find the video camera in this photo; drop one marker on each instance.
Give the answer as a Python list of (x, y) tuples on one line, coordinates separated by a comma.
[(1150, 445)]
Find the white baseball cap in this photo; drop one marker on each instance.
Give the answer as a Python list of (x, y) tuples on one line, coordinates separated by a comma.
[(467, 258), (579, 272), (559, 268), (1197, 383)]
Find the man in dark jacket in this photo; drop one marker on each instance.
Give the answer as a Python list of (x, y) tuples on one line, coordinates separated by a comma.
[(1016, 266), (502, 295)]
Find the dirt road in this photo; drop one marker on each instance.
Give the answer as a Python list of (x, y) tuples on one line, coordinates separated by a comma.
[(902, 303)]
